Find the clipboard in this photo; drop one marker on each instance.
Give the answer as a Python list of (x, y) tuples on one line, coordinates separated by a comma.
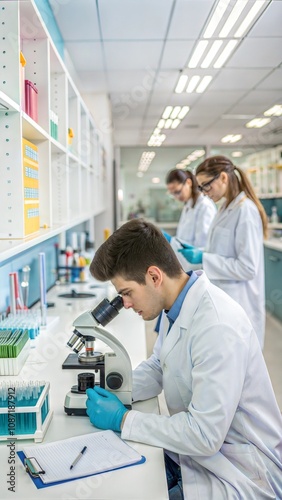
[(42, 474), (35, 477)]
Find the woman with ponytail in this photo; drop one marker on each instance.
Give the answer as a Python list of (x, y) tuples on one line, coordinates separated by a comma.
[(233, 258), (197, 214)]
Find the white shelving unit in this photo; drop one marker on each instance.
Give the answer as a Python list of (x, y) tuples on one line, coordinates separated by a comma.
[(72, 179)]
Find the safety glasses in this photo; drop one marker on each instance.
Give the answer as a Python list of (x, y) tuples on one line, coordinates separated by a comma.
[(178, 192), (206, 187)]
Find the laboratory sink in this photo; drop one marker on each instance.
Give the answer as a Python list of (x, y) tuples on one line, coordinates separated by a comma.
[(77, 295)]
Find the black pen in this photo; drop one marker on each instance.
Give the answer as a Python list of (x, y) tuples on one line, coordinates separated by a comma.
[(78, 457)]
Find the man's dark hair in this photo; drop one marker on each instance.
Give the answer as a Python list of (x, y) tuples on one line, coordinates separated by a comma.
[(131, 250)]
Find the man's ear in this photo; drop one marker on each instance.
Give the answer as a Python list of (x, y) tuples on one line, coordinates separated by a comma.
[(155, 275)]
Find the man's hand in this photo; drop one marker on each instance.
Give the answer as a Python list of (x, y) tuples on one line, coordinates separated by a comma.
[(104, 409)]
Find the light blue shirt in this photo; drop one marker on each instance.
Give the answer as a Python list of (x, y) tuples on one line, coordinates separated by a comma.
[(174, 311)]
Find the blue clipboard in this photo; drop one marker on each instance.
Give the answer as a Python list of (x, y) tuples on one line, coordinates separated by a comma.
[(39, 484)]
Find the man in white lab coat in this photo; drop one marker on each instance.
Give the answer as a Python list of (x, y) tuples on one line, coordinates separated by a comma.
[(224, 429)]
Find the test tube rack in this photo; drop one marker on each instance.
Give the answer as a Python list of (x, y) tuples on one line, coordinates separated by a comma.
[(14, 350), (24, 410)]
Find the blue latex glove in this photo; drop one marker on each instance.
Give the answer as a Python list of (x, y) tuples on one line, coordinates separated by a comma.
[(184, 245), (167, 236), (193, 255), (104, 409)]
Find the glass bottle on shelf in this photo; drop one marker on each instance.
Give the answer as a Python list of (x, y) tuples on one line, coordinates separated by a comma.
[(274, 216)]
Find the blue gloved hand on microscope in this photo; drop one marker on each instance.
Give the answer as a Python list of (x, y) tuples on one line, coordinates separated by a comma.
[(193, 255), (167, 236), (104, 409)]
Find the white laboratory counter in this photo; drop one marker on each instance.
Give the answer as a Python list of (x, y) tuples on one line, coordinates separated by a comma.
[(140, 482)]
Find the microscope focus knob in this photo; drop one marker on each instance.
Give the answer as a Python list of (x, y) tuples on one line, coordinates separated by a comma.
[(114, 380)]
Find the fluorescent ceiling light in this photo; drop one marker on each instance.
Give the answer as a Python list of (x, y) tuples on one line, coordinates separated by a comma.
[(183, 112), (231, 138), (249, 18), (237, 154), (235, 138), (175, 123), (181, 84), (212, 53), (168, 123), (161, 123), (199, 152), (175, 112), (274, 111), (258, 122), (225, 53), (155, 180), (203, 85), (157, 131), (216, 17), (180, 165), (234, 16), (167, 112), (193, 84), (197, 54)]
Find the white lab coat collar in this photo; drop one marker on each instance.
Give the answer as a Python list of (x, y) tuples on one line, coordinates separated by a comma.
[(183, 321)]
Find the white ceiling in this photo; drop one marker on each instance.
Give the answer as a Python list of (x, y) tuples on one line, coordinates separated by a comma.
[(134, 50)]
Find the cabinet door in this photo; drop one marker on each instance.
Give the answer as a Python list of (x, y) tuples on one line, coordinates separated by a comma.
[(273, 281)]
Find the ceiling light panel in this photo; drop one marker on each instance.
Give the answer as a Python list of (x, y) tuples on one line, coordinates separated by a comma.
[(198, 53), (211, 54), (204, 83), (274, 111), (193, 83), (181, 84), (233, 17), (258, 122), (225, 54)]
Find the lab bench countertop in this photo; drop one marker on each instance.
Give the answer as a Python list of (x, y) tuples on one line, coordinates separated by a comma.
[(48, 352), (274, 243)]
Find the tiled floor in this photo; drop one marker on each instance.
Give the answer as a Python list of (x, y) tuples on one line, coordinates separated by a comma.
[(272, 351)]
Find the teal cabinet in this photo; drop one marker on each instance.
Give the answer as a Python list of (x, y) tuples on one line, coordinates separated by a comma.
[(273, 281)]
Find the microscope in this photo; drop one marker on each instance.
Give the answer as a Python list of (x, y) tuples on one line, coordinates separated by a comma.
[(114, 367)]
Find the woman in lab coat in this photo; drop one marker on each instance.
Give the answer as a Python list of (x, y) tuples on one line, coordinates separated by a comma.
[(234, 256), (224, 427), (196, 216)]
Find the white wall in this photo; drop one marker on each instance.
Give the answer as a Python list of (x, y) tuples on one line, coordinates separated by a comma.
[(100, 108)]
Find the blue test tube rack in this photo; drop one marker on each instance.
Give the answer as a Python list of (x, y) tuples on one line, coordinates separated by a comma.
[(24, 410)]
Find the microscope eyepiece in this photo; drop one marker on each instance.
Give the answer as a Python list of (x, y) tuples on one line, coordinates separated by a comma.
[(106, 311)]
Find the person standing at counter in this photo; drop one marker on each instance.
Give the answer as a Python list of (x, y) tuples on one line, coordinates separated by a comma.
[(233, 258), (196, 216), (223, 436)]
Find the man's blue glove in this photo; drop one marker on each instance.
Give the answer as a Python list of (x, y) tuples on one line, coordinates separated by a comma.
[(167, 236), (193, 255), (104, 409)]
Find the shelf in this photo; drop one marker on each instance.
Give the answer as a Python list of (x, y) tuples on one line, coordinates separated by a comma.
[(267, 196), (7, 104), (10, 248), (69, 178)]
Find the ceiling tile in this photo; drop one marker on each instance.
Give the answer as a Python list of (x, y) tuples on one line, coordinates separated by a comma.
[(189, 18), (176, 54), (134, 20), (86, 56), (269, 22), (257, 53), (79, 22), (273, 81), (132, 55), (134, 82), (238, 79)]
